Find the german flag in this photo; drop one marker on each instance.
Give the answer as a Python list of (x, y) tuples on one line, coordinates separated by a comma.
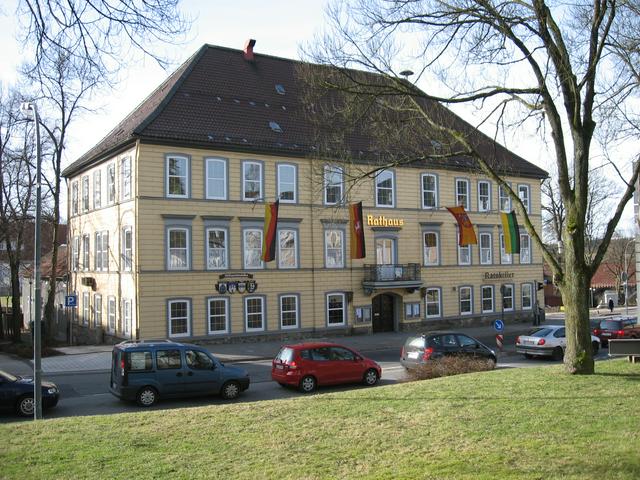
[(358, 249), (467, 235), (270, 231), (511, 232)]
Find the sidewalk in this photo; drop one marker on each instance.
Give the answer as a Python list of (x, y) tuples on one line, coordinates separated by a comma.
[(91, 358)]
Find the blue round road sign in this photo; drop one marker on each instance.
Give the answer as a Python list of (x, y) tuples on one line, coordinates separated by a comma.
[(498, 325)]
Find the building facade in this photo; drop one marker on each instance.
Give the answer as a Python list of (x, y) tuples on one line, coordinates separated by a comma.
[(166, 224)]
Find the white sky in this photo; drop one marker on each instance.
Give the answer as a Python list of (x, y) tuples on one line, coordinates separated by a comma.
[(279, 26)]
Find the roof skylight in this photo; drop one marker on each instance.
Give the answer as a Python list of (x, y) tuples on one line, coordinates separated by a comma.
[(280, 89), (275, 127)]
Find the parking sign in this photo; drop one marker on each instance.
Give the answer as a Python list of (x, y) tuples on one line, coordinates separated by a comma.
[(71, 301)]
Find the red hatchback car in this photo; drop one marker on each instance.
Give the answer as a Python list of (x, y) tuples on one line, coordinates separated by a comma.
[(308, 365)]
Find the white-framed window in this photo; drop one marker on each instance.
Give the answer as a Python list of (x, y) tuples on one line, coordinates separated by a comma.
[(466, 300), (462, 192), (486, 250), (287, 248), (74, 198), (430, 245), (504, 200), (86, 308), (127, 249), (86, 252), (125, 178), (97, 310), (289, 311), (429, 190), (432, 303), (524, 194), (97, 189), (484, 196), (464, 255), (217, 248), (127, 313), (527, 296), (507, 297), (177, 185), (251, 181), (254, 313), (85, 193), (252, 248), (487, 298), (101, 257), (75, 254), (505, 258), (412, 310), (334, 248), (111, 183), (111, 314), (336, 309), (525, 248), (179, 318), (333, 184), (385, 189), (287, 182), (216, 171), (178, 248), (218, 315)]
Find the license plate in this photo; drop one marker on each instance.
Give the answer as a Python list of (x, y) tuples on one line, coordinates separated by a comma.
[(606, 334), (279, 367), (412, 355)]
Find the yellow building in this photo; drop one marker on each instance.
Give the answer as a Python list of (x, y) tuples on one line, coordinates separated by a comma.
[(166, 223)]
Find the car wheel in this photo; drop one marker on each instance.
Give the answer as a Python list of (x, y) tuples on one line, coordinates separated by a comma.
[(370, 377), (147, 397), (308, 384), (492, 362), (230, 390), (25, 406), (595, 346), (557, 353)]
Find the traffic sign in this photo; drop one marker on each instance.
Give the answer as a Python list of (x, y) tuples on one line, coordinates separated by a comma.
[(498, 325), (71, 301), (499, 340)]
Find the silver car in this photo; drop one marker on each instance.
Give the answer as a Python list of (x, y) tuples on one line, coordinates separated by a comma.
[(548, 341)]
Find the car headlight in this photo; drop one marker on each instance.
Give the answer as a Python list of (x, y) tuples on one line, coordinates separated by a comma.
[(52, 390)]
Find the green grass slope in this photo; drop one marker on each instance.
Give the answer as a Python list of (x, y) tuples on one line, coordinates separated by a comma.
[(533, 423)]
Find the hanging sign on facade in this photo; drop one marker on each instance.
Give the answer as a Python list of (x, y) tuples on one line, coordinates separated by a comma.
[(229, 284)]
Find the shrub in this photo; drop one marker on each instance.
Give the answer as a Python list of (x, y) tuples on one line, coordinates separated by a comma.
[(446, 366)]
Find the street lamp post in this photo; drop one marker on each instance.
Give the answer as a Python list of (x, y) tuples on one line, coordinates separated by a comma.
[(28, 108)]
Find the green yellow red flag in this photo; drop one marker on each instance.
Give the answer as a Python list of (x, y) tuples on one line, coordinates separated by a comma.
[(511, 232)]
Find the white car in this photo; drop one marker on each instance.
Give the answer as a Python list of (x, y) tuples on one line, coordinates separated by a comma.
[(548, 341)]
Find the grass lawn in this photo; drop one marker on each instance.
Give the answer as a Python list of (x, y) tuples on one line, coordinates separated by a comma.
[(517, 423)]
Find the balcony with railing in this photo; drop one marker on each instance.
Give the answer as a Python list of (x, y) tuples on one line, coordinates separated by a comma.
[(378, 277)]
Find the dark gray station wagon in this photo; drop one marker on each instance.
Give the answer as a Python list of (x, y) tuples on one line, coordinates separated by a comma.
[(146, 371), (420, 349)]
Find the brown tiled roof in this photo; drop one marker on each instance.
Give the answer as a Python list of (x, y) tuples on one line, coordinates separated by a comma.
[(218, 100), (605, 276), (45, 264)]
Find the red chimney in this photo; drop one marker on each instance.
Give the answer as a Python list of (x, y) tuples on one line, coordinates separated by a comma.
[(248, 49)]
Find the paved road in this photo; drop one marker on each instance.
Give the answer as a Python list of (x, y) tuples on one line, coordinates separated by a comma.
[(87, 393)]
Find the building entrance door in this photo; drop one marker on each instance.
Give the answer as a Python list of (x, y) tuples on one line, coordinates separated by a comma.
[(382, 306)]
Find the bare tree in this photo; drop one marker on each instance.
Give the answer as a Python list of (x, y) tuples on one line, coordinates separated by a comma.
[(79, 47), (527, 64), (17, 151), (105, 33), (620, 256), (602, 192)]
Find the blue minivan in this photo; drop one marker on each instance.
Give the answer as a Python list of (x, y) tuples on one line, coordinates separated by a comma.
[(146, 371)]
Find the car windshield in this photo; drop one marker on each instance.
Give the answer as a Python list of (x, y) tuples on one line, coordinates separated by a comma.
[(541, 332), (610, 325), (285, 355), (8, 376)]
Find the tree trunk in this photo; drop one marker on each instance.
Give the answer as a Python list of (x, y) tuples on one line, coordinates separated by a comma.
[(49, 308), (578, 357), (16, 315)]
